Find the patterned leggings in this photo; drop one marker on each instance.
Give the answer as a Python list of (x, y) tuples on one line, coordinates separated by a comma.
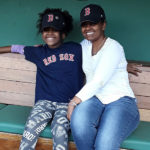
[(43, 112)]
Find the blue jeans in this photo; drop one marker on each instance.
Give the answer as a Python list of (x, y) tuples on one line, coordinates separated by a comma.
[(96, 126)]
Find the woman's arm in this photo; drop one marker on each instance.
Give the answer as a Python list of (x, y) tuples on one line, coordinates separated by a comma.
[(72, 104), (102, 74), (133, 68), (104, 70)]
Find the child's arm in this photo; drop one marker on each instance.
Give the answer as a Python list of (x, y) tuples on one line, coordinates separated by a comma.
[(12, 49), (6, 49)]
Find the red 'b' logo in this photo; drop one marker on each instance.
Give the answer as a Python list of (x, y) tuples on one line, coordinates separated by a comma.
[(50, 18), (87, 11)]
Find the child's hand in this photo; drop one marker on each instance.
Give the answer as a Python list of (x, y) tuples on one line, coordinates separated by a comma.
[(133, 68)]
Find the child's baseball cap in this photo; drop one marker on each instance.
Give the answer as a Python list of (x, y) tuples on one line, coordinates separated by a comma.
[(54, 20), (92, 13)]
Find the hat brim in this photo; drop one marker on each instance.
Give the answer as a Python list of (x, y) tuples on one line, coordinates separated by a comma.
[(51, 26), (87, 20)]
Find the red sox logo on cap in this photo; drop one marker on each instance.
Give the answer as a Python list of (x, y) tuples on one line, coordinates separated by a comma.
[(87, 11), (50, 18)]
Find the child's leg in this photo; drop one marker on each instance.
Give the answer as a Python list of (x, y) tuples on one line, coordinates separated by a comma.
[(40, 115), (60, 127)]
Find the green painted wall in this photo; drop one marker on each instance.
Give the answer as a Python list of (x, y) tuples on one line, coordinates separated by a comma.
[(128, 21)]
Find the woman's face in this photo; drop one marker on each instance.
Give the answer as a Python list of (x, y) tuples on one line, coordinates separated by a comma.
[(93, 32), (52, 37)]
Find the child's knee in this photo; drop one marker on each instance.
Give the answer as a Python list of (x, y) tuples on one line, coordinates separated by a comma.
[(60, 131)]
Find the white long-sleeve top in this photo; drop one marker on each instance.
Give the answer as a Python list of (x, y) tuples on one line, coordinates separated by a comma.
[(106, 73)]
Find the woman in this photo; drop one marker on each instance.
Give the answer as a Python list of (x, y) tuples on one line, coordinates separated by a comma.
[(104, 112)]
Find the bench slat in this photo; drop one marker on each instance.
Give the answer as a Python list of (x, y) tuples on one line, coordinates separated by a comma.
[(17, 87), (144, 115), (143, 102), (141, 89), (17, 75), (143, 77), (145, 68), (10, 141), (16, 99), (17, 62)]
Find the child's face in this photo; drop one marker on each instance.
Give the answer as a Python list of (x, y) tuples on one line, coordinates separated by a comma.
[(52, 37)]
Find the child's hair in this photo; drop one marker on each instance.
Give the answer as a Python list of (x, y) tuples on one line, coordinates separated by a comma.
[(67, 17)]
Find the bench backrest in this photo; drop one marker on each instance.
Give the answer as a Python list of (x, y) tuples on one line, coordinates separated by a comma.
[(141, 87), (17, 82)]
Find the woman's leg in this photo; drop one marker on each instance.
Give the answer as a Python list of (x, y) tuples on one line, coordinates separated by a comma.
[(118, 121), (40, 115), (84, 122), (60, 127)]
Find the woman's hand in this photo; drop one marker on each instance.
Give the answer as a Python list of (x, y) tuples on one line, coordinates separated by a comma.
[(38, 45), (133, 68), (71, 106), (70, 110)]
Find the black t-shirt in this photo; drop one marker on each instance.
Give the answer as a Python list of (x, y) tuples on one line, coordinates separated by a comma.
[(59, 71)]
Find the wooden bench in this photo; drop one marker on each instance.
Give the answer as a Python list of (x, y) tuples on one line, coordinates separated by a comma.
[(17, 85)]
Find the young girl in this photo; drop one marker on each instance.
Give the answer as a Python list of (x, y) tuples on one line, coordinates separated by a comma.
[(107, 112), (59, 77)]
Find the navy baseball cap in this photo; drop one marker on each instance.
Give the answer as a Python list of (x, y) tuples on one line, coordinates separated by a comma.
[(54, 20), (92, 13)]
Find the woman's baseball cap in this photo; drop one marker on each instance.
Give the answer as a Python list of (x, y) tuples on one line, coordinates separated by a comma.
[(54, 20), (92, 13)]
